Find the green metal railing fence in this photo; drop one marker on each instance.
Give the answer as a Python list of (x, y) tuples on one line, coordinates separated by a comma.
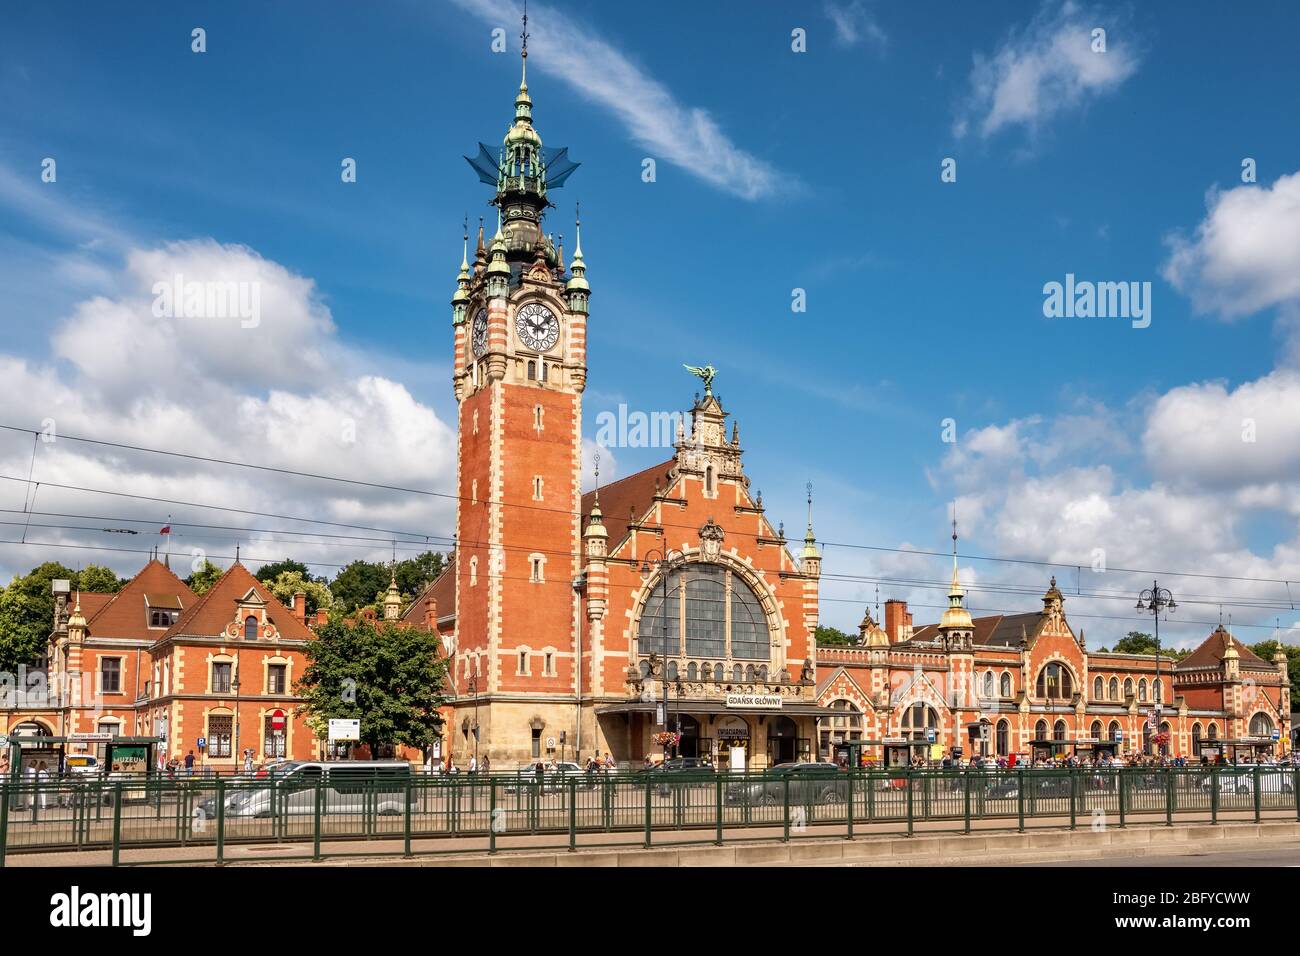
[(474, 812)]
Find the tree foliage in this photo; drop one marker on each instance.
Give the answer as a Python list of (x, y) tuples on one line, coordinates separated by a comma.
[(204, 577), (288, 583), (1266, 650), (832, 637), (27, 608), (391, 678), (269, 572), (363, 583)]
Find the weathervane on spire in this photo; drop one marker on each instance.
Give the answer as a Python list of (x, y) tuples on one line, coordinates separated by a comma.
[(597, 477), (705, 374), (524, 36)]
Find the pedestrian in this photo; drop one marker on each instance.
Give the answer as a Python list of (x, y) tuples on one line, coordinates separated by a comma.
[(189, 763), (487, 766), (450, 766), (42, 782), (473, 764), (248, 760)]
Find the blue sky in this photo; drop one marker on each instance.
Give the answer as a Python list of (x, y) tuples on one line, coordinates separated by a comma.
[(776, 170)]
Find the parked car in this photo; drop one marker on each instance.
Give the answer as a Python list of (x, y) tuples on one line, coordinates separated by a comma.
[(677, 767), (351, 786), (808, 783), (550, 779), (1241, 781), (1008, 788)]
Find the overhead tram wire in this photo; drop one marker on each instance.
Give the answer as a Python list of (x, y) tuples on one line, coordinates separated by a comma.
[(564, 582), (453, 545), (1061, 565)]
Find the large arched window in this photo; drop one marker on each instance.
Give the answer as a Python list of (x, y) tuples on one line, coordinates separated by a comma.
[(1128, 687), (1058, 730), (1098, 688), (1196, 738), (1095, 731), (1113, 733), (1261, 725), (988, 685), (1004, 738), (1214, 732), (1142, 690), (1040, 730), (1156, 691), (713, 608), (1006, 685), (250, 628), (917, 719), (1146, 738), (1055, 683), (1114, 688)]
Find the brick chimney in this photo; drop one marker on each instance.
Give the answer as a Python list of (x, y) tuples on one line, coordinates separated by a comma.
[(898, 621), (322, 618), (300, 606), (431, 614)]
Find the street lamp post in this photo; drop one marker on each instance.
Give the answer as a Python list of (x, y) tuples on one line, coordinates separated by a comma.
[(664, 561), (1156, 599), (473, 689), (234, 683)]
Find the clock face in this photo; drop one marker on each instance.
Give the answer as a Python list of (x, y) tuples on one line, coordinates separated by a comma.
[(537, 327), (480, 332)]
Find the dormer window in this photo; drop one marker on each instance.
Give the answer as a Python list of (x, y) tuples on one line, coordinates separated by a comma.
[(250, 628), (158, 618)]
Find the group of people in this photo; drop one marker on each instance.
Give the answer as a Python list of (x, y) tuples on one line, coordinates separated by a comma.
[(448, 766)]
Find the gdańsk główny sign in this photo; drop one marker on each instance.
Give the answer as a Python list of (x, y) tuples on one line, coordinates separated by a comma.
[(755, 701)]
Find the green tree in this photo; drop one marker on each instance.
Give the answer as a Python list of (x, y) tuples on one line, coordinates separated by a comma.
[(357, 584), (96, 577), (389, 677), (1266, 650), (832, 637), (288, 583), (415, 574), (1136, 642), (269, 572), (27, 608), (204, 577)]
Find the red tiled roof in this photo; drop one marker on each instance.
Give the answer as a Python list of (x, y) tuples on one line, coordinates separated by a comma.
[(92, 602), (441, 589), (620, 499), (209, 616), (996, 630), (125, 614), (1210, 652)]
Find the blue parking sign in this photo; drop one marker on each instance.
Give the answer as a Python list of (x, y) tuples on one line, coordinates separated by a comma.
[(203, 742)]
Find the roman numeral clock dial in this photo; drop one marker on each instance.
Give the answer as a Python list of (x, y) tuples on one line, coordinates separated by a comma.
[(537, 327), (480, 332)]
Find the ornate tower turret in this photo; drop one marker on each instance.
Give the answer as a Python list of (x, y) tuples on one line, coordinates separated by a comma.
[(956, 629), (392, 600)]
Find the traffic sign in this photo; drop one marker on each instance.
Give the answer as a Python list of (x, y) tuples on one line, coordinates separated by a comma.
[(929, 735), (203, 743), (342, 729), (277, 720)]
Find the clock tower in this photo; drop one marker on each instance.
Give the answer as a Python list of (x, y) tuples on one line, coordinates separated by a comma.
[(519, 322)]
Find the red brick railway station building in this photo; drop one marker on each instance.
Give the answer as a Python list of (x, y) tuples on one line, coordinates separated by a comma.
[(581, 623)]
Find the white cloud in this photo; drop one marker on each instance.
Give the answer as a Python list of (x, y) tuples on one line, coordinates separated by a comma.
[(1208, 436), (596, 70), (286, 393), (1245, 254), (1045, 69), (854, 23)]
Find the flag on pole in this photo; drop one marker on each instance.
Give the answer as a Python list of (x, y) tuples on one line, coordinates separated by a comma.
[(166, 530)]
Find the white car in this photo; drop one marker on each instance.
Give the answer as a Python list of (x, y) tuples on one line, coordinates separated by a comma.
[(1242, 781)]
